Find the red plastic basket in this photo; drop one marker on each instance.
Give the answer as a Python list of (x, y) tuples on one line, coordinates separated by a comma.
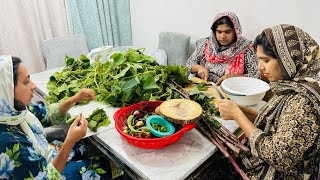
[(122, 115)]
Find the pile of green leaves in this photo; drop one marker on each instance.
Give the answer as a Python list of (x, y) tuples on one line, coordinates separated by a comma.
[(206, 102), (202, 86), (96, 119), (129, 77), (67, 83)]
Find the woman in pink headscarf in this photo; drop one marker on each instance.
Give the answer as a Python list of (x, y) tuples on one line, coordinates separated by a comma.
[(226, 53)]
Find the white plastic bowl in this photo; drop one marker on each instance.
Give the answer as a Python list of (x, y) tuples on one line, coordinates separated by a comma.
[(245, 91)]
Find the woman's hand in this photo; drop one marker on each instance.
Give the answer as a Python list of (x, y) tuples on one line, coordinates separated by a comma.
[(77, 130), (226, 76), (202, 72), (82, 95), (85, 95), (231, 111), (228, 109)]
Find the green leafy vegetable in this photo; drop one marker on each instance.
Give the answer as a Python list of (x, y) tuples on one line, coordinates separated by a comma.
[(70, 120), (127, 78), (96, 119), (202, 86), (159, 127)]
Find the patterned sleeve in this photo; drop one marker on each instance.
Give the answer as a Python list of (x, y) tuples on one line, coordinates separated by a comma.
[(213, 77), (53, 173), (55, 115), (251, 64), (21, 161), (198, 56), (48, 116), (295, 134), (40, 111)]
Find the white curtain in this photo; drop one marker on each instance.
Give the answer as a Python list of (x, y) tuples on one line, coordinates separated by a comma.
[(24, 24)]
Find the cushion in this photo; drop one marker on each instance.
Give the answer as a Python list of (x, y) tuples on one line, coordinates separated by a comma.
[(199, 41), (176, 47), (54, 50)]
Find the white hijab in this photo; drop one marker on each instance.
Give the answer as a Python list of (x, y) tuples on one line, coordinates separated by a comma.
[(10, 116)]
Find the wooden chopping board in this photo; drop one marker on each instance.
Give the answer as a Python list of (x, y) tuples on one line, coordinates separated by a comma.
[(181, 111)]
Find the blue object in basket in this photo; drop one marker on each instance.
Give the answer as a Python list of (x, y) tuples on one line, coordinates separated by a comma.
[(159, 120)]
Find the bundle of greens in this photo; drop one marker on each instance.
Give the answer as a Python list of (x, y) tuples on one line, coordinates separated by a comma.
[(210, 127), (127, 78), (131, 77), (96, 119)]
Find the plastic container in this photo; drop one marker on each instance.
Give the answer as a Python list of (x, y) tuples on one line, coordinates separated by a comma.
[(159, 120), (245, 91), (121, 117)]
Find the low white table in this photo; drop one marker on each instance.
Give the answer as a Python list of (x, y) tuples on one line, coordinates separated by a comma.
[(174, 162)]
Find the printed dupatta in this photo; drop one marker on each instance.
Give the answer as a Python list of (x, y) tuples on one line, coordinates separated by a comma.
[(12, 117), (234, 53), (299, 59)]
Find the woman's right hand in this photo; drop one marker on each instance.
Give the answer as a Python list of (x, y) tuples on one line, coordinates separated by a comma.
[(202, 72), (228, 109), (77, 130)]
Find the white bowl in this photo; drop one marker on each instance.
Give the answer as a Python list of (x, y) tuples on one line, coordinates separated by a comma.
[(245, 91)]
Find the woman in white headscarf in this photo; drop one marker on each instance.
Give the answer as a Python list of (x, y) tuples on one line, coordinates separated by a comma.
[(24, 150)]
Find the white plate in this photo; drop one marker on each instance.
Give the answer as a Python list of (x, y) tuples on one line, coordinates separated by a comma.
[(87, 109)]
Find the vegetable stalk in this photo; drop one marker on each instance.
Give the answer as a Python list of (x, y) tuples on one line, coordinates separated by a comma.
[(218, 144)]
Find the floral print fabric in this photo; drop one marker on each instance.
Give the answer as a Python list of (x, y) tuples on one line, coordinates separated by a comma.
[(19, 160)]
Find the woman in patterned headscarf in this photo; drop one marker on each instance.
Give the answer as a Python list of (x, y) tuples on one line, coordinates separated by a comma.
[(226, 53), (284, 138)]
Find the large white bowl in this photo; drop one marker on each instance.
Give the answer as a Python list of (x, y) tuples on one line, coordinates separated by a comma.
[(245, 91)]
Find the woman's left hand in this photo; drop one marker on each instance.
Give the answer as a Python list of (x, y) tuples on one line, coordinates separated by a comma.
[(226, 76), (85, 95), (82, 95), (228, 109)]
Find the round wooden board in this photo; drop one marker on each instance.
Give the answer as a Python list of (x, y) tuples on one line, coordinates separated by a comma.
[(181, 111)]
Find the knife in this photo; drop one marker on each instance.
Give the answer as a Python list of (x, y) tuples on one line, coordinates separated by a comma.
[(217, 90)]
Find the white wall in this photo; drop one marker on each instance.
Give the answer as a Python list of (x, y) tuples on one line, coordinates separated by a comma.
[(194, 17)]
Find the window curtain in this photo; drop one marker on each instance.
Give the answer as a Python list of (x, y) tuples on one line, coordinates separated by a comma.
[(104, 22), (25, 24)]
